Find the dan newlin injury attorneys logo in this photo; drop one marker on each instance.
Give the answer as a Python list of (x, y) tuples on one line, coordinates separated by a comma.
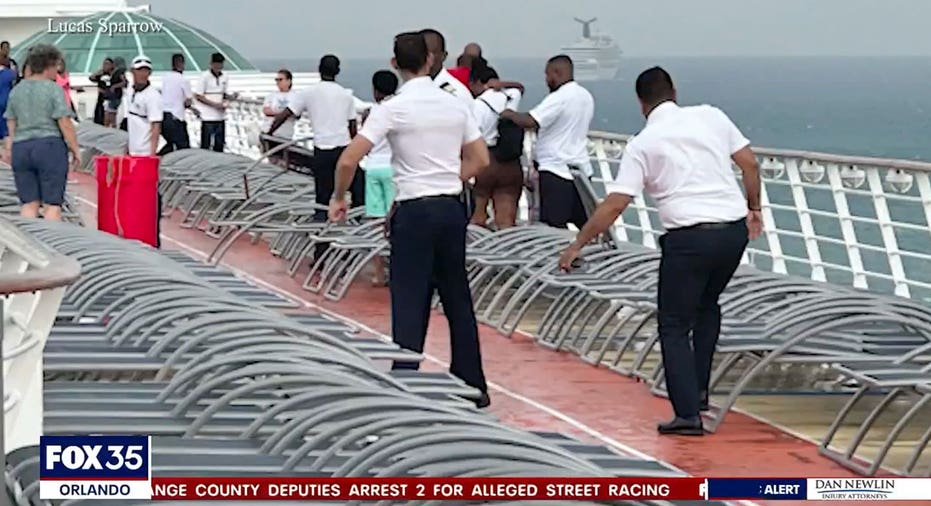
[(108, 25), (852, 489)]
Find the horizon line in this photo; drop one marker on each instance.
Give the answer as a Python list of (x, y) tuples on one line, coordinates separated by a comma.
[(629, 56)]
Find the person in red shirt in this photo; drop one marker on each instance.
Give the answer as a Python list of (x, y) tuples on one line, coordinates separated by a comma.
[(464, 63)]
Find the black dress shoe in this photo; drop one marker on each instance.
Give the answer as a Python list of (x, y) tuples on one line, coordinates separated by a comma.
[(682, 427), (483, 401)]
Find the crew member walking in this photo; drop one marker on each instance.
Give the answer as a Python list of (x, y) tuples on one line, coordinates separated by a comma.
[(144, 117), (436, 145), (562, 121), (682, 157), (332, 113), (176, 98)]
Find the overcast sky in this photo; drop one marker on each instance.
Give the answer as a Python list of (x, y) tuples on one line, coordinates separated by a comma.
[(533, 28)]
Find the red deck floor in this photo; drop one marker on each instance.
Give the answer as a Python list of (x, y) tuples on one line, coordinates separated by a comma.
[(535, 388)]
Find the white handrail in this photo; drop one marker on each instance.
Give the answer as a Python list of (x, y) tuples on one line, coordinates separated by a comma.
[(852, 220)]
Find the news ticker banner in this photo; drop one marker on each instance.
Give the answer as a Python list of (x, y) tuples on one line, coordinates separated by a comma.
[(118, 467)]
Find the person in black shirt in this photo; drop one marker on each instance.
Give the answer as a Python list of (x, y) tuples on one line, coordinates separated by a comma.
[(115, 97), (102, 79)]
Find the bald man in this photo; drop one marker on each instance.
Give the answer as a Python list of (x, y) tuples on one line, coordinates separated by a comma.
[(472, 49), (562, 121)]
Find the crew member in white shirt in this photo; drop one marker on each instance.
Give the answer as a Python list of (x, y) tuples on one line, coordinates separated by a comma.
[(144, 117), (332, 113), (436, 44), (145, 113), (176, 98), (212, 93), (682, 158), (503, 182), (436, 145), (275, 103), (562, 121)]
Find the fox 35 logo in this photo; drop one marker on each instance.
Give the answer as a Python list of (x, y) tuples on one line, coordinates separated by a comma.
[(94, 457)]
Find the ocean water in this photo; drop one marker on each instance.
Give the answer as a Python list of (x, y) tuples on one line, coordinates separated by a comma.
[(854, 106), (857, 106)]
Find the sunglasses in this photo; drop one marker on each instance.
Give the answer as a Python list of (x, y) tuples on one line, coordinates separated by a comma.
[(279, 79)]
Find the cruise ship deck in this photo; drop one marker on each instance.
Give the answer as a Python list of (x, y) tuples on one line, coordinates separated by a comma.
[(242, 356), (835, 382), (535, 388)]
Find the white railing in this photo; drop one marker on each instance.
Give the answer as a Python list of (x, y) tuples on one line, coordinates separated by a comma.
[(857, 221), (851, 220), (32, 284)]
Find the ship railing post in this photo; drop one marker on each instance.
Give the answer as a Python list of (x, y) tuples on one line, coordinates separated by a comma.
[(848, 231)]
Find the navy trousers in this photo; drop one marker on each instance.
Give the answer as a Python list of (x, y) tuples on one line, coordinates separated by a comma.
[(428, 243), (696, 265), (213, 135)]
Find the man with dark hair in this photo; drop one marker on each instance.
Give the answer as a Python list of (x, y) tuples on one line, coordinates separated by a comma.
[(562, 121), (436, 146), (212, 94), (176, 98), (683, 158), (379, 176), (503, 182), (331, 109), (436, 45), (11, 63), (102, 78)]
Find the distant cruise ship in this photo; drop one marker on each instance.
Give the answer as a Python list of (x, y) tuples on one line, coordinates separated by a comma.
[(596, 56)]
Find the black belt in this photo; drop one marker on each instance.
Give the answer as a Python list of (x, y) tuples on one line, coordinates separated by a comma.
[(428, 198), (709, 226)]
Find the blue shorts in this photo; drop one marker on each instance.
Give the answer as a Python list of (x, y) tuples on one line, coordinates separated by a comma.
[(40, 170), (379, 191), (4, 131)]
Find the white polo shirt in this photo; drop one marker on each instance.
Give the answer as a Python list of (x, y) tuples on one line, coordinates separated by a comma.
[(446, 82), (278, 100), (682, 158), (488, 106), (143, 108), (329, 107), (175, 91), (426, 129), (212, 88), (564, 117)]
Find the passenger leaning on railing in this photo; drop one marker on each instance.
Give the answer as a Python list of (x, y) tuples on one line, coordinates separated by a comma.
[(682, 158), (41, 133)]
